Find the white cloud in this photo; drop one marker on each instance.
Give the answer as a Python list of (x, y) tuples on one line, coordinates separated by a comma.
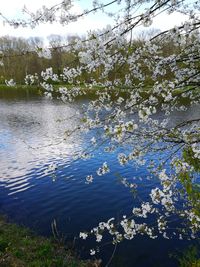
[(166, 21), (12, 8)]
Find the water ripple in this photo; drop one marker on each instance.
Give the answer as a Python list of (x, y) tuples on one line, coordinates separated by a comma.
[(33, 197)]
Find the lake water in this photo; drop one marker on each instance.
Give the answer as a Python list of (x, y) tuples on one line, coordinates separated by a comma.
[(32, 136)]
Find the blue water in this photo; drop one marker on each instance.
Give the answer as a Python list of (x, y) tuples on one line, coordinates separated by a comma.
[(32, 133)]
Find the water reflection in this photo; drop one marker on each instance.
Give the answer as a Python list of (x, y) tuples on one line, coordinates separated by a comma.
[(32, 136)]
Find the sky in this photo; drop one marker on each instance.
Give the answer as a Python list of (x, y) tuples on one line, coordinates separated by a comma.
[(12, 9)]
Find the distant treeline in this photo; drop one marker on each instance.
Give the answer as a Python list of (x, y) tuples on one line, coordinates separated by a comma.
[(19, 58), (18, 62)]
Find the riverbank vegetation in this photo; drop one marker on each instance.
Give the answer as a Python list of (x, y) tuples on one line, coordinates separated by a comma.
[(19, 247), (30, 55), (190, 257)]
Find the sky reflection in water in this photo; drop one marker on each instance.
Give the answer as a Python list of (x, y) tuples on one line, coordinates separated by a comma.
[(32, 137)]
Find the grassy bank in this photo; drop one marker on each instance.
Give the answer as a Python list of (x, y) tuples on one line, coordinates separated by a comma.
[(91, 92), (21, 248), (19, 87)]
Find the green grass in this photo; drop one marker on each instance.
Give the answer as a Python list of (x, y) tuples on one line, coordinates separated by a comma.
[(19, 247), (18, 87), (91, 92), (189, 258)]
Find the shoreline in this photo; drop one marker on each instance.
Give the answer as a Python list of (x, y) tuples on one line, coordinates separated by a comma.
[(20, 247)]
